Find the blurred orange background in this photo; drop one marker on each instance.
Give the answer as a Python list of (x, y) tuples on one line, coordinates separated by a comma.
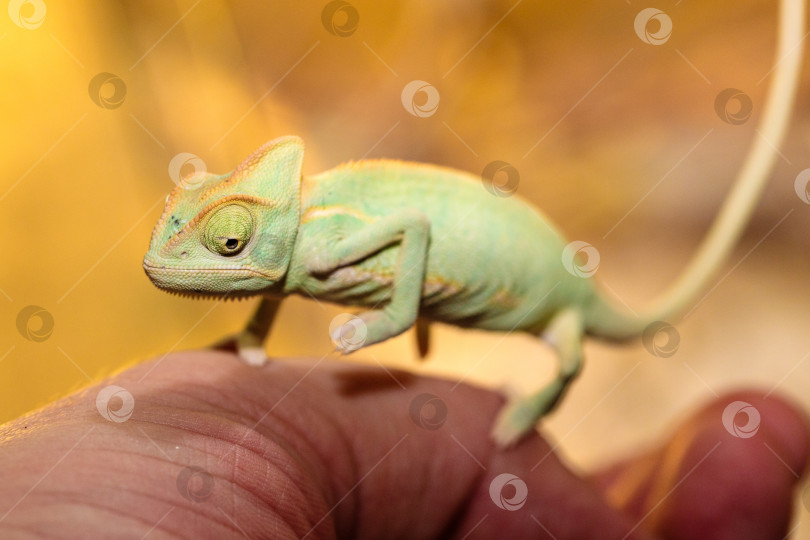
[(617, 140)]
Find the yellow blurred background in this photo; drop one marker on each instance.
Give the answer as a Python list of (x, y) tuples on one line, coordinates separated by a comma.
[(617, 140)]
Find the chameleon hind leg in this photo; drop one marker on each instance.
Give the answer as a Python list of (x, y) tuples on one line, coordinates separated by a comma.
[(422, 327), (410, 229), (564, 333), (249, 343)]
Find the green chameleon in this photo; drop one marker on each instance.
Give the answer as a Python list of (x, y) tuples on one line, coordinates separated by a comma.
[(410, 241)]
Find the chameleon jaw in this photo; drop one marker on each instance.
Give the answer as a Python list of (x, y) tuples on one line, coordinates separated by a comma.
[(203, 282)]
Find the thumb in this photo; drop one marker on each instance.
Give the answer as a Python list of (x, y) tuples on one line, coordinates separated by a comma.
[(728, 472)]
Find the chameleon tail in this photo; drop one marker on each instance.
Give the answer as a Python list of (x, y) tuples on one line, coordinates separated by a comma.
[(603, 319)]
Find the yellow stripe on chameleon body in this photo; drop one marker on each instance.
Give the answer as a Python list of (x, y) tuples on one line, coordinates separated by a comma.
[(319, 212), (505, 299)]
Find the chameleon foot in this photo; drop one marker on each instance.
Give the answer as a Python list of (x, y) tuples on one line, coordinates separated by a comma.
[(249, 350), (519, 416), (349, 335), (366, 329), (253, 356)]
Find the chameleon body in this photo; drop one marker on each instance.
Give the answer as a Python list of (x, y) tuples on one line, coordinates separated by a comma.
[(407, 241), (447, 272), (345, 236)]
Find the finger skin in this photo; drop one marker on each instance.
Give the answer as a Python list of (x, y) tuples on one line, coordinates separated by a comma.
[(217, 448), (294, 449)]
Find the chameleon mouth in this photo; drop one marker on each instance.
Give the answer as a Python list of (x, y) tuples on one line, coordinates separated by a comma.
[(156, 269), (180, 281)]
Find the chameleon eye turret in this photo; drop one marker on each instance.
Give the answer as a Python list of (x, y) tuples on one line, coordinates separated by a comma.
[(228, 230)]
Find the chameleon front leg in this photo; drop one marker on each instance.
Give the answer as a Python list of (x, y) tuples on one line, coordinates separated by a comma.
[(564, 333), (410, 228), (249, 343)]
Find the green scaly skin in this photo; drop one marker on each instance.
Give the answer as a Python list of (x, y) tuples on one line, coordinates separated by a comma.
[(407, 240)]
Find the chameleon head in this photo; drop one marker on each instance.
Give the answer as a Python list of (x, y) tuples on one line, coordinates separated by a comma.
[(234, 233)]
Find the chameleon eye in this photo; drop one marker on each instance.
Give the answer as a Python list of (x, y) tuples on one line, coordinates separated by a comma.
[(228, 230)]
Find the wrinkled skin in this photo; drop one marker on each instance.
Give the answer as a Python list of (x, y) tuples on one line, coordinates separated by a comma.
[(338, 455)]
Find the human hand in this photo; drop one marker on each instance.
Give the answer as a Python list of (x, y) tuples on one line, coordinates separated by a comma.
[(216, 448)]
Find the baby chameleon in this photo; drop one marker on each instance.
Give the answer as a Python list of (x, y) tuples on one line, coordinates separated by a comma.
[(404, 240), (409, 240)]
